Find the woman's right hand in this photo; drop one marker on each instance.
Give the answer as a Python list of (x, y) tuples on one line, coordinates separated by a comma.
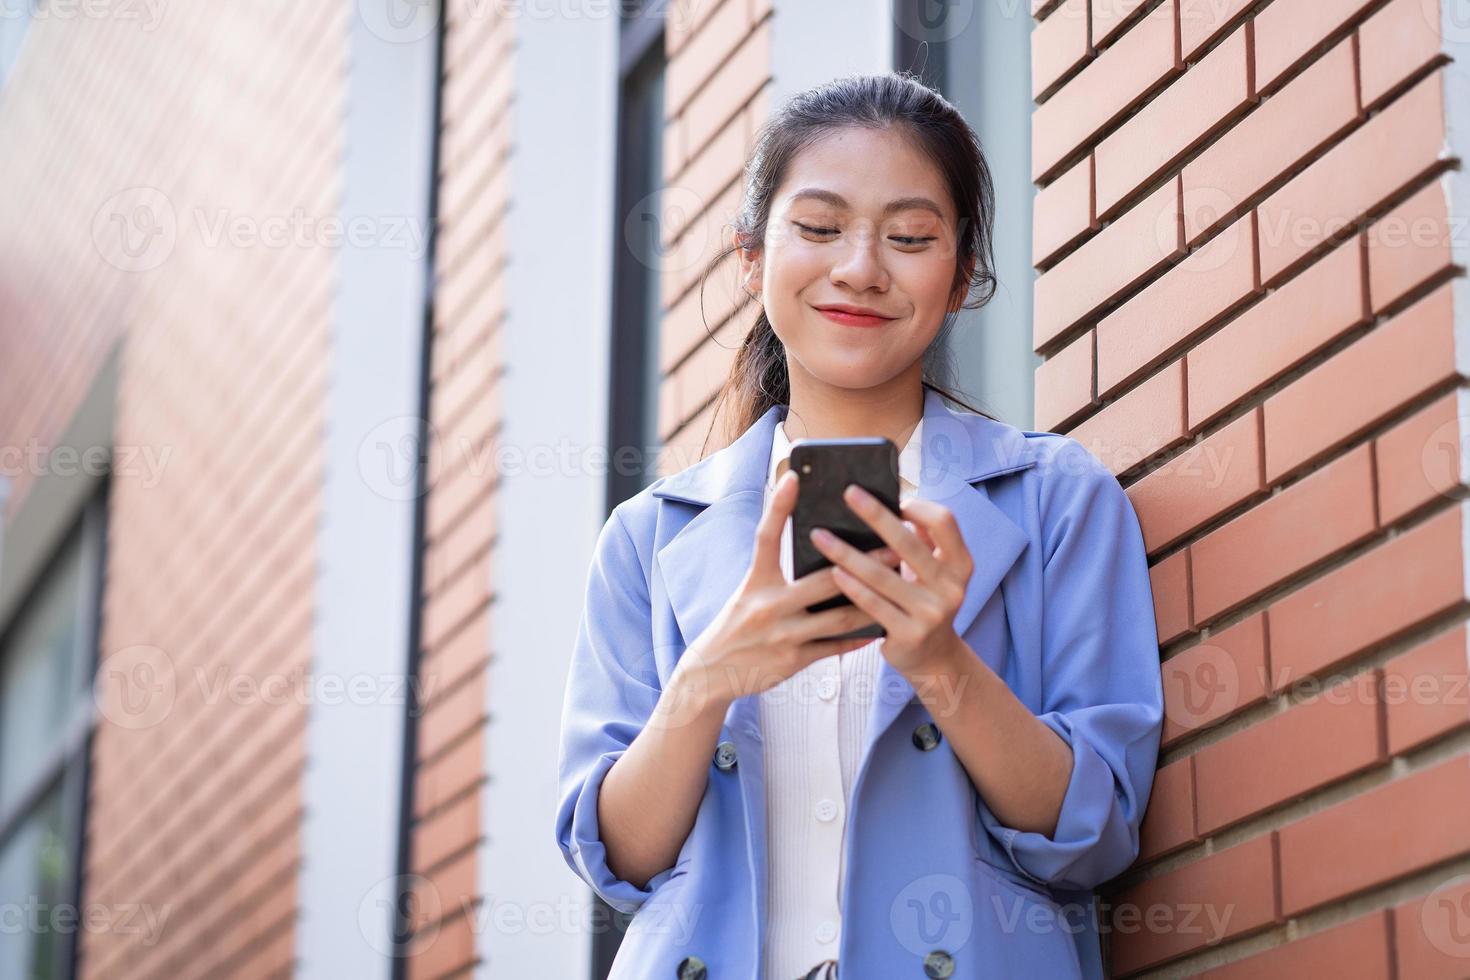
[(764, 634)]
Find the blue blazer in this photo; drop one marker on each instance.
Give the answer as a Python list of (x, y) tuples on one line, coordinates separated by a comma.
[(1060, 607)]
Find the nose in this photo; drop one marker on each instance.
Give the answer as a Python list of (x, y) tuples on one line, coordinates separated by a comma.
[(859, 264)]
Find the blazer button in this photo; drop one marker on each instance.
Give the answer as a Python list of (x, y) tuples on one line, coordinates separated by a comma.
[(938, 964), (692, 968), (725, 756), (926, 736)]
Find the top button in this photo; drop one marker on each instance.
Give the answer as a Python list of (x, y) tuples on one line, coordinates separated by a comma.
[(827, 689)]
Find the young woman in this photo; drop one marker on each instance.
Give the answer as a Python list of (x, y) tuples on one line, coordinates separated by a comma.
[(937, 803)]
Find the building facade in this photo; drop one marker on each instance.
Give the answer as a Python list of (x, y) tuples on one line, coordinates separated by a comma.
[(318, 322)]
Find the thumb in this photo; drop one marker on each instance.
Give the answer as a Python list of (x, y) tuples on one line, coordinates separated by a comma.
[(766, 562)]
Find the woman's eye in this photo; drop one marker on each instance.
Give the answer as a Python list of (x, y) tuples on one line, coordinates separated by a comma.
[(905, 240)]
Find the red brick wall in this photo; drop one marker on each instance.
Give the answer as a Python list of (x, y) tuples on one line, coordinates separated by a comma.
[(1245, 310), (195, 802), (717, 93), (464, 412)]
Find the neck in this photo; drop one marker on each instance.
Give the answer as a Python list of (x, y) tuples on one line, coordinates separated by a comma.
[(823, 411)]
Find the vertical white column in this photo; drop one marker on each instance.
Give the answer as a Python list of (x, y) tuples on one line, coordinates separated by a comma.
[(551, 501), (354, 769)]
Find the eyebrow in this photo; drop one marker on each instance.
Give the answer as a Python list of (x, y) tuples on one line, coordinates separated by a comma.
[(899, 204)]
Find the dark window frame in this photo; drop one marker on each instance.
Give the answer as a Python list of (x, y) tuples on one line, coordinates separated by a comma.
[(68, 764)]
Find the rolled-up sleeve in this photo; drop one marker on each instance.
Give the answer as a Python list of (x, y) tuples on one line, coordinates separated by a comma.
[(611, 691), (1102, 691)]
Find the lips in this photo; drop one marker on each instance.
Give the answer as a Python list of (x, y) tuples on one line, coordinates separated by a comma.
[(850, 319)]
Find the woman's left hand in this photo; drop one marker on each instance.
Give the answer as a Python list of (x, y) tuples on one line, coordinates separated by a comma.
[(917, 602)]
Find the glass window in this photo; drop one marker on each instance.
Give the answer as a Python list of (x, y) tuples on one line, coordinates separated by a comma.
[(637, 315), (47, 655), (979, 56)]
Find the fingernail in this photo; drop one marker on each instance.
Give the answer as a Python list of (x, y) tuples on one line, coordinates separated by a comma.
[(821, 535)]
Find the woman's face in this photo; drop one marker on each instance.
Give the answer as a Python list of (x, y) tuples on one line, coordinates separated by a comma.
[(861, 219)]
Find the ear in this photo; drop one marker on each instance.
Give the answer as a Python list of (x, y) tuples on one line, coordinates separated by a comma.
[(750, 267)]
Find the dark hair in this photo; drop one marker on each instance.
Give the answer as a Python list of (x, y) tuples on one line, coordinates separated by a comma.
[(758, 379)]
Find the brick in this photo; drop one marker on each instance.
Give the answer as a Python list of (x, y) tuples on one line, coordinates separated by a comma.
[(1168, 823), (1204, 288), (1356, 950), (1396, 43), (1062, 212), (1146, 421), (1117, 80), (1430, 933), (1325, 301), (1423, 459), (1309, 745), (1390, 831), (1115, 259), (1064, 384), (1397, 585), (1203, 100), (1425, 691), (1217, 678), (1288, 31), (1058, 45), (1110, 17), (1312, 111), (1200, 483), (1409, 246), (1380, 373), (1328, 511), (1236, 887), (1202, 21), (729, 88), (719, 34), (1169, 582), (1390, 151)]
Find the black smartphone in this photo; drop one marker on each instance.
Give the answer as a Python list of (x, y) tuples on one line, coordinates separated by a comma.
[(824, 467)]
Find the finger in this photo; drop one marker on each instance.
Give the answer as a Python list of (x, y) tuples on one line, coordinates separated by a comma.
[(815, 586), (885, 581), (938, 520), (897, 535), (870, 601), (907, 570), (767, 558), (830, 622)]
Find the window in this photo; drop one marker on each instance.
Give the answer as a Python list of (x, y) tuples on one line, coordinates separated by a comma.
[(47, 658), (979, 56), (637, 317)]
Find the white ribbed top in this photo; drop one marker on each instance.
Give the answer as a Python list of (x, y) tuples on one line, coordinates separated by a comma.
[(812, 728)]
